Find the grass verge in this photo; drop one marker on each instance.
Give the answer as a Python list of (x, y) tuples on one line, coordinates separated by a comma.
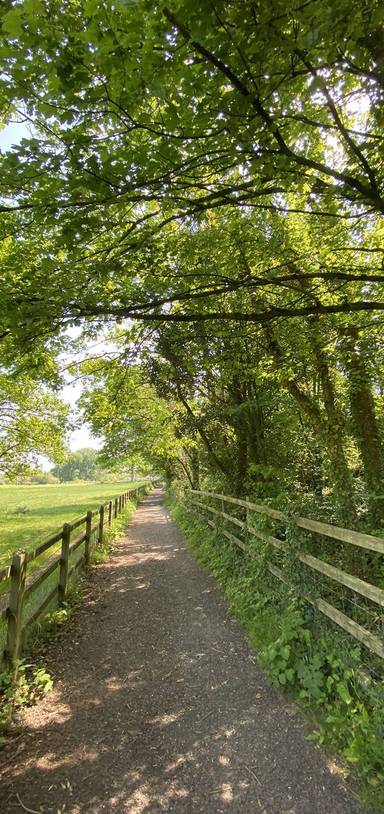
[(302, 653)]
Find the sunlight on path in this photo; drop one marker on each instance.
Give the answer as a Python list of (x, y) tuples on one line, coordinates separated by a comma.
[(158, 703)]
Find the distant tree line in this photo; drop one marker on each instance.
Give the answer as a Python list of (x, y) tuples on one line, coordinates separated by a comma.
[(79, 465)]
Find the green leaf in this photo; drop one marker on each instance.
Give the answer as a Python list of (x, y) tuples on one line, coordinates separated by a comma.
[(12, 22), (343, 692)]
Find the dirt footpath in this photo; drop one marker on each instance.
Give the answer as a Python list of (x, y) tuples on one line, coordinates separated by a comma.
[(159, 705)]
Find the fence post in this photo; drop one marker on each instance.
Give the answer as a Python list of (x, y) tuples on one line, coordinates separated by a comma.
[(246, 535), (64, 562), (88, 536), (119, 504), (110, 504), (222, 519), (101, 526), (15, 610), (115, 508)]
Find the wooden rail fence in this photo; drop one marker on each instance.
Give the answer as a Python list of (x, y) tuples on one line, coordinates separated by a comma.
[(90, 532), (374, 641)]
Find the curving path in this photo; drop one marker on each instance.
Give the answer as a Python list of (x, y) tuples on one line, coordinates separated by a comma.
[(159, 705)]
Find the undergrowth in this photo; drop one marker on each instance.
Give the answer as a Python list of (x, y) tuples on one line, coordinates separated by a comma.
[(302, 653), (111, 534), (30, 684)]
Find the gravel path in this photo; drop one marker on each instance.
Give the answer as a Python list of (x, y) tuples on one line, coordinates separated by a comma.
[(159, 705)]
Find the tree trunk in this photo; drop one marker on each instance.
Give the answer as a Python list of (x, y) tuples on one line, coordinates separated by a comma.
[(256, 430), (365, 424), (194, 465), (240, 427), (335, 424), (327, 427), (201, 432)]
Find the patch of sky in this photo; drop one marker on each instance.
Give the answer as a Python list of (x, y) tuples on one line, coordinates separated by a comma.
[(12, 134)]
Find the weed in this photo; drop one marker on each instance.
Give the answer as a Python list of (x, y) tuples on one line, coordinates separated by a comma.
[(30, 684), (50, 626), (111, 534)]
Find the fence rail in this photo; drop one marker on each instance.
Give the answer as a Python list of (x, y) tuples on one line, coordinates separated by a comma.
[(354, 584), (22, 586)]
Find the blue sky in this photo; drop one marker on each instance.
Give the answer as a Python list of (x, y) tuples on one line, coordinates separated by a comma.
[(12, 134)]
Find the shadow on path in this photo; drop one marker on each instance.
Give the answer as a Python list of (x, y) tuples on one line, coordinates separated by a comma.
[(159, 705)]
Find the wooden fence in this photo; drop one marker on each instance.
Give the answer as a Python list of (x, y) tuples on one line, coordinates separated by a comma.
[(374, 641), (75, 552)]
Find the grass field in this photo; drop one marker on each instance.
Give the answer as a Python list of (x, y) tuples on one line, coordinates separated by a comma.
[(28, 513)]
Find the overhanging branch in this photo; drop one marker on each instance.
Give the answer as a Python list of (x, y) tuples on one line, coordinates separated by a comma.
[(233, 316)]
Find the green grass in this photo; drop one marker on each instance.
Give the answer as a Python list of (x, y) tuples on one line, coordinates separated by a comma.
[(29, 513)]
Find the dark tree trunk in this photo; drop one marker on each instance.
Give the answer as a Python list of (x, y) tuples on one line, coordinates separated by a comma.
[(194, 464), (256, 430), (240, 427), (365, 425), (334, 426), (327, 428)]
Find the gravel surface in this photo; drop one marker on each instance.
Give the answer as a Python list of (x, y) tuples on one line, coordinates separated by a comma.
[(159, 704)]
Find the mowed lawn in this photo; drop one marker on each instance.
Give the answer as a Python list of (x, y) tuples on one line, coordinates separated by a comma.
[(29, 513)]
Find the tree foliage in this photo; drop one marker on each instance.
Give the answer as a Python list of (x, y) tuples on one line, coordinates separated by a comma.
[(32, 423), (212, 173), (145, 118), (78, 465)]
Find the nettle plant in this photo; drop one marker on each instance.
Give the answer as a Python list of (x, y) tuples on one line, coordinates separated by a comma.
[(293, 659), (349, 715)]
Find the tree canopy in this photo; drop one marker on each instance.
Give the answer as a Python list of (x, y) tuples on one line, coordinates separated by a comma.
[(148, 119), (209, 177)]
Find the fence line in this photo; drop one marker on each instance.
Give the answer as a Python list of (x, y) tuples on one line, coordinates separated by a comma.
[(22, 587), (373, 593)]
